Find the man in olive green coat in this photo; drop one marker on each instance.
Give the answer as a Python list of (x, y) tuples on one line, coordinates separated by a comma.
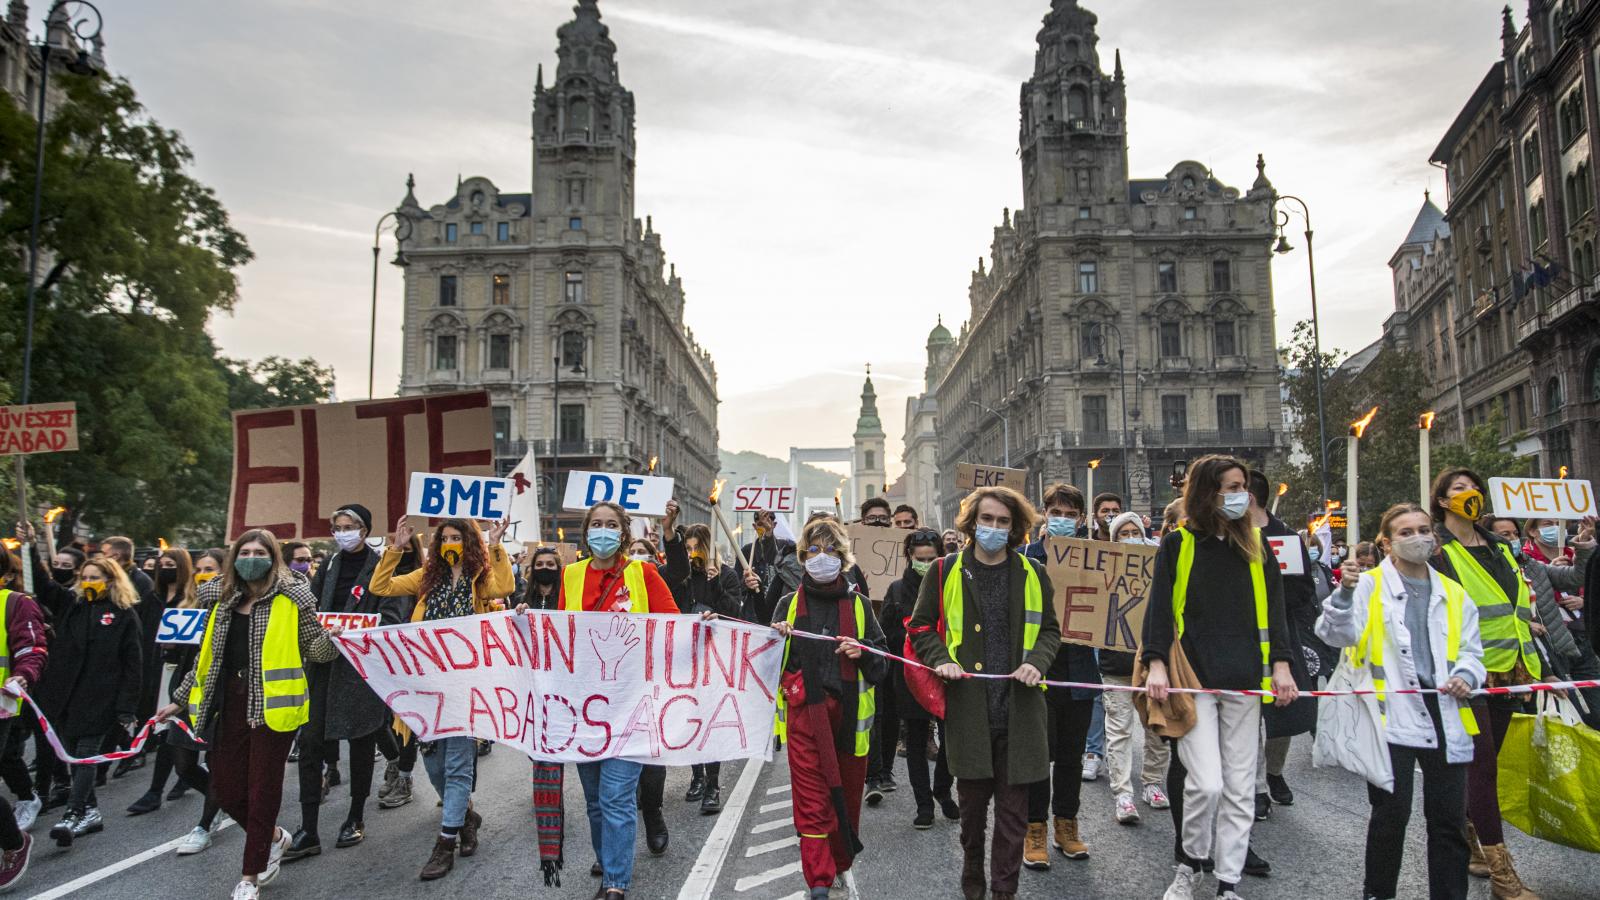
[(1003, 623)]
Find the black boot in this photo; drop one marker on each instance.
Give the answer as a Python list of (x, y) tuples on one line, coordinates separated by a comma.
[(697, 788), (302, 845), (711, 800), (150, 802), (655, 831), (350, 834)]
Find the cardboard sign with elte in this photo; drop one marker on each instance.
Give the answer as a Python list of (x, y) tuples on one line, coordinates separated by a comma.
[(970, 476), (642, 495), (1541, 498)]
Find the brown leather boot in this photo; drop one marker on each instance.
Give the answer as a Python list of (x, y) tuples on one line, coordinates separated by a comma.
[(441, 861), (1478, 864), (1035, 854), (973, 884), (1503, 881), (469, 832), (1067, 839)]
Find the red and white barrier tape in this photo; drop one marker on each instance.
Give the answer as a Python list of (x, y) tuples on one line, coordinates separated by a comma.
[(1483, 692), (134, 749)]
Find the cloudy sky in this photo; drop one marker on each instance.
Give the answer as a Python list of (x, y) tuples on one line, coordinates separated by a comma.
[(825, 173)]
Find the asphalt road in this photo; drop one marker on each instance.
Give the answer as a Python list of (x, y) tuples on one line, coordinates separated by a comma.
[(747, 853)]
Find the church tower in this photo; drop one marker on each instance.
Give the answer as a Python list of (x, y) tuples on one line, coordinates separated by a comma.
[(1073, 139), (869, 445), (583, 139)]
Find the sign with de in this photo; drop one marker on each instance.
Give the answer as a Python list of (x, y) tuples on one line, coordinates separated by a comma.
[(751, 498), (1290, 551), (638, 494), (970, 476), (459, 497)]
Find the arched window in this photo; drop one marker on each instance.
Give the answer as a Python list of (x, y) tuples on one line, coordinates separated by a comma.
[(1077, 103), (578, 113), (1553, 401), (572, 350)]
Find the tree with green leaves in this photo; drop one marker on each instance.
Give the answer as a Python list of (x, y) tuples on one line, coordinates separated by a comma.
[(136, 257)]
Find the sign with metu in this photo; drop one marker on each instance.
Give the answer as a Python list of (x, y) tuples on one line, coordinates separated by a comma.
[(459, 497), (638, 494)]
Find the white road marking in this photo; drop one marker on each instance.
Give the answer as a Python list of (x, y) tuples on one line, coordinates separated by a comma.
[(98, 875), (754, 881), (850, 882), (708, 865), (792, 840), (773, 807), (765, 827), (780, 789)]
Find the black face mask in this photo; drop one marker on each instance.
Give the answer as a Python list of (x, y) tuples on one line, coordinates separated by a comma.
[(166, 577), (64, 576), (951, 547), (546, 577)]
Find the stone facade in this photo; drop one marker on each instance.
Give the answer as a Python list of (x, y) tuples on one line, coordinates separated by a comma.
[(920, 483), (560, 302), (1550, 91), (1105, 295)]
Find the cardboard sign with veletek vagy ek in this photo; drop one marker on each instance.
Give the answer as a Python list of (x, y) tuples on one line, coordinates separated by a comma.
[(1101, 589)]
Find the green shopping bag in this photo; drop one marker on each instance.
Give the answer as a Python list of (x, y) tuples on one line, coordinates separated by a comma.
[(1550, 777)]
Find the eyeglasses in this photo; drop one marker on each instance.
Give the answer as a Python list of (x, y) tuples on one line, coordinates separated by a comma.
[(830, 549)]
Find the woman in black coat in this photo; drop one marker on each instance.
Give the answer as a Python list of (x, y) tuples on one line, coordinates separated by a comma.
[(706, 586), (91, 688), (922, 548)]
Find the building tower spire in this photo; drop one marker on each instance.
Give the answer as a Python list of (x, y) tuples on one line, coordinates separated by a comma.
[(869, 437)]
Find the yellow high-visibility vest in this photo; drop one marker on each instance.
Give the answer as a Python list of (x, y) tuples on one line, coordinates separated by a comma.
[(1503, 625), (1258, 580), (284, 688), (573, 575), (955, 611), (866, 694), (1370, 647)]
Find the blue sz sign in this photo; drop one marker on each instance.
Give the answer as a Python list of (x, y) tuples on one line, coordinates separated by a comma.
[(459, 497), (181, 626)]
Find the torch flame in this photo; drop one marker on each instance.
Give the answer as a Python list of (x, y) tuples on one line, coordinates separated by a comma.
[(1094, 463), (837, 494), (1334, 504), (653, 461), (716, 488), (1359, 426), (1563, 471), (1425, 422), (1283, 488), (561, 535), (52, 515), (161, 543)]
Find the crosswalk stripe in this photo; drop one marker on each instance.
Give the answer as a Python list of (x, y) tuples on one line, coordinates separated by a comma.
[(781, 804), (792, 840), (703, 877), (765, 827), (757, 880), (780, 789)]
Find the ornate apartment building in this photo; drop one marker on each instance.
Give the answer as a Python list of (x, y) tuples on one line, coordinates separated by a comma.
[(560, 301), (1106, 295), (1423, 320)]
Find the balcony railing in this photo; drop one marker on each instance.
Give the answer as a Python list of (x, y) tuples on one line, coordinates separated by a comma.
[(1190, 437)]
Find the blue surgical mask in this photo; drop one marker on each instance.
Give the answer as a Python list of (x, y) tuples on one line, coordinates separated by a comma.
[(603, 542), (1062, 526), (1549, 534), (993, 540), (1234, 506), (1315, 553)]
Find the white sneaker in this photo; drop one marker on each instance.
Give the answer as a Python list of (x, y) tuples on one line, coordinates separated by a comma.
[(274, 859), (244, 890), (195, 841), (1091, 767), (1155, 797), (27, 812), (1183, 884), (1229, 895), (1127, 813)]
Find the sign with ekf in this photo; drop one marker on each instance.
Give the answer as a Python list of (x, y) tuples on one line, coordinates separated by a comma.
[(1543, 498), (38, 428), (970, 476)]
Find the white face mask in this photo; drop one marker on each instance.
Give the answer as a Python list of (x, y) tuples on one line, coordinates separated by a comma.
[(823, 567), (347, 540), (1414, 548)]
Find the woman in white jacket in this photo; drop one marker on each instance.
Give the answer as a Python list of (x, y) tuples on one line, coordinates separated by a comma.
[(1416, 630)]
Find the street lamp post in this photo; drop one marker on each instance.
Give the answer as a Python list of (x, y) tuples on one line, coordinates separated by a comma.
[(1316, 324), (402, 233), (1122, 379), (1005, 426), (83, 22)]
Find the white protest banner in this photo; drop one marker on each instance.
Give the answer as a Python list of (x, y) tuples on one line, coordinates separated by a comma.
[(181, 626), (1543, 498), (751, 498), (1290, 551), (638, 494), (579, 687), (348, 621), (459, 497), (970, 476)]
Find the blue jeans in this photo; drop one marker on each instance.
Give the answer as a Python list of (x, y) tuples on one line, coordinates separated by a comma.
[(1096, 743), (452, 767), (610, 790)]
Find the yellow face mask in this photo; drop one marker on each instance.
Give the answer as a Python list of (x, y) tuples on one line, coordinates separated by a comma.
[(203, 577), (450, 552), (93, 590), (1467, 504)]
